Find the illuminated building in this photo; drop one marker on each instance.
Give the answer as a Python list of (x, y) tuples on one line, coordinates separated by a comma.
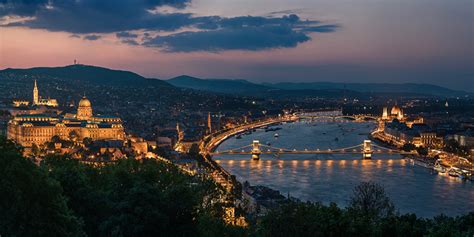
[(395, 113), (29, 129), (385, 113), (37, 100)]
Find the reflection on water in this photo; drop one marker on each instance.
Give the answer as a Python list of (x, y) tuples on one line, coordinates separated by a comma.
[(331, 178)]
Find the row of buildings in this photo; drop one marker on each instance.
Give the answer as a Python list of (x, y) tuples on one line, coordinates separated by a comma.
[(31, 128), (400, 129)]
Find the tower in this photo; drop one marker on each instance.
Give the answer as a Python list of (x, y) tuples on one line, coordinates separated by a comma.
[(35, 95), (385, 113), (209, 128)]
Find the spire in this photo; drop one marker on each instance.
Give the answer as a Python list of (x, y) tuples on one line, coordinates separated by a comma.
[(209, 128), (35, 94)]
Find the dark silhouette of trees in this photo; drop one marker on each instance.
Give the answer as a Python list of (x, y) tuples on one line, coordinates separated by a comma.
[(370, 200), (63, 197), (31, 203)]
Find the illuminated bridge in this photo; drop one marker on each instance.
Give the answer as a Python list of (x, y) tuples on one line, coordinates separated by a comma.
[(317, 116), (256, 149)]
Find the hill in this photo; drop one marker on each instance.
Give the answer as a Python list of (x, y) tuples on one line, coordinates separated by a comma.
[(405, 88), (219, 85), (86, 73)]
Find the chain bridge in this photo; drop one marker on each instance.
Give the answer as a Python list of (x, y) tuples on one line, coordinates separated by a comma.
[(256, 149)]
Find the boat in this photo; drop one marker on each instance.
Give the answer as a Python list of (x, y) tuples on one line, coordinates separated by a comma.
[(336, 139), (238, 137), (440, 169), (276, 135), (453, 173)]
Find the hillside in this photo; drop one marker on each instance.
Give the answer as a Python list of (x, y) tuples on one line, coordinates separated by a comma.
[(86, 73), (219, 85), (405, 88)]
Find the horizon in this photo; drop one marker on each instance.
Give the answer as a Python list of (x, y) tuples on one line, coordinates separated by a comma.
[(424, 42), (251, 81)]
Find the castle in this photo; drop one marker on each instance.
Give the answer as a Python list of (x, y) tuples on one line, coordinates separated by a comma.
[(29, 129)]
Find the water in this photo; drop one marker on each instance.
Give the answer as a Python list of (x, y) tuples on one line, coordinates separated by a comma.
[(331, 178)]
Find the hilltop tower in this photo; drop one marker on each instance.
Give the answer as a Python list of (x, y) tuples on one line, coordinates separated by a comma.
[(35, 95)]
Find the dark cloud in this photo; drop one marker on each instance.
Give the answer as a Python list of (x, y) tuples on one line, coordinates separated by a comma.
[(91, 18), (320, 28), (247, 38), (242, 33), (92, 37), (96, 16), (125, 34), (130, 42)]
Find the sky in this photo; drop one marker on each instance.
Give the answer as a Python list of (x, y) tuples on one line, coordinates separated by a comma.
[(395, 41)]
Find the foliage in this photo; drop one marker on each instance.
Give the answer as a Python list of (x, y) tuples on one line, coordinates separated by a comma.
[(31, 203), (422, 151), (64, 197), (453, 146), (370, 213), (408, 147)]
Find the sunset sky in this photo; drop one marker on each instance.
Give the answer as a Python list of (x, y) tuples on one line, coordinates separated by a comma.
[(419, 41)]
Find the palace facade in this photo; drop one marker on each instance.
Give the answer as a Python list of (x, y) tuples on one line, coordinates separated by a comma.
[(29, 129)]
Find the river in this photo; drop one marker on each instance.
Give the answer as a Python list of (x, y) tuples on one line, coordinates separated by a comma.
[(332, 177)]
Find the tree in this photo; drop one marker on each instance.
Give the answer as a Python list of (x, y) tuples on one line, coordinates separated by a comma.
[(31, 203), (87, 141), (370, 200), (408, 147), (422, 151)]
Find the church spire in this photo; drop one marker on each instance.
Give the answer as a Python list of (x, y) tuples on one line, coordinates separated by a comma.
[(35, 94), (209, 128)]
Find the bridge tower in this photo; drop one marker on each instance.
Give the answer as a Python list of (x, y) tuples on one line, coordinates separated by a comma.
[(367, 150), (256, 150)]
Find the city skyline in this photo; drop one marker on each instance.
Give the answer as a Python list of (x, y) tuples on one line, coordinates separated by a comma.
[(372, 41)]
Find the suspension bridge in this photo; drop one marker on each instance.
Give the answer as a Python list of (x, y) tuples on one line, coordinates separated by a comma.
[(256, 149)]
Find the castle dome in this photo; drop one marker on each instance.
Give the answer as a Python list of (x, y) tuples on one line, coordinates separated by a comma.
[(84, 102), (84, 110)]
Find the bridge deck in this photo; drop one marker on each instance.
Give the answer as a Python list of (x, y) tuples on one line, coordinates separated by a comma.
[(309, 152)]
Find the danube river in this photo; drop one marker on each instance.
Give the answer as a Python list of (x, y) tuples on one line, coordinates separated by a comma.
[(331, 178)]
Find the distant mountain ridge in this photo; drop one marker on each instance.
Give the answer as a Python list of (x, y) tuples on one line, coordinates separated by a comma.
[(371, 87), (101, 75), (237, 86), (218, 85)]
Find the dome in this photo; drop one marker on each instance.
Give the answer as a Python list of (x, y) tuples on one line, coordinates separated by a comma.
[(84, 102), (395, 110)]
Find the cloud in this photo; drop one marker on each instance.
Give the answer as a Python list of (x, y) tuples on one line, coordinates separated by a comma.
[(93, 18), (247, 38), (125, 34), (130, 42), (320, 28), (241, 33), (92, 37), (96, 16)]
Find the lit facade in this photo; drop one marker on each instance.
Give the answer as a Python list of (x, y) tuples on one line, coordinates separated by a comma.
[(29, 129), (37, 100)]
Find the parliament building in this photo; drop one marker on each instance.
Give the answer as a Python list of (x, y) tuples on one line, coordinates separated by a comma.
[(29, 129)]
